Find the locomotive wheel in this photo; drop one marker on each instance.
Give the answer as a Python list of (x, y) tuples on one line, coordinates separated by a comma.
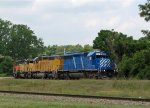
[(16, 75), (67, 76), (55, 76), (29, 75)]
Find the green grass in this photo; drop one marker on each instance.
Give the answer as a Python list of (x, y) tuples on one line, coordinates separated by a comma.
[(22, 101), (3, 75), (124, 88)]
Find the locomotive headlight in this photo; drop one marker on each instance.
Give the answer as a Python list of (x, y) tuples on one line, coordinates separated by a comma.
[(104, 70)]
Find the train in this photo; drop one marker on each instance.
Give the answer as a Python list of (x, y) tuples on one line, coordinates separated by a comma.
[(95, 64)]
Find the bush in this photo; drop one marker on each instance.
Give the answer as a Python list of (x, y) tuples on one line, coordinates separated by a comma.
[(124, 67), (6, 64), (137, 65), (145, 73)]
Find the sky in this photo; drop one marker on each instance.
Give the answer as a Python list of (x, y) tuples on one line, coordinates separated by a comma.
[(64, 22)]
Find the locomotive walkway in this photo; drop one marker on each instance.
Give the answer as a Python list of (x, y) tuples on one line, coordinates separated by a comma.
[(78, 96)]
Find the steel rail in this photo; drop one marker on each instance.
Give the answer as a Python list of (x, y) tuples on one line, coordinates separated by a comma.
[(78, 96)]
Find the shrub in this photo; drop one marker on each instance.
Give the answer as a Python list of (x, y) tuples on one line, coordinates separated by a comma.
[(6, 64)]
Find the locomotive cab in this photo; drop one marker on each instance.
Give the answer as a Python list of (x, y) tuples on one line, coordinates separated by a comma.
[(102, 63)]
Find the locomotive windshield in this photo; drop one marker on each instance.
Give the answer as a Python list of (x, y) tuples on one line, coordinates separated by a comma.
[(101, 56)]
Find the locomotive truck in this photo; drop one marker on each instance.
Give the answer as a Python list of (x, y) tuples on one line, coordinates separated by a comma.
[(97, 64)]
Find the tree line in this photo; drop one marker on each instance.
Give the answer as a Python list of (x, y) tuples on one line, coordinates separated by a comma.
[(60, 50), (131, 56), (18, 41)]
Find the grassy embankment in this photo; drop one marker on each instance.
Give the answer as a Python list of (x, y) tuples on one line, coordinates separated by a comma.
[(21, 101), (124, 88)]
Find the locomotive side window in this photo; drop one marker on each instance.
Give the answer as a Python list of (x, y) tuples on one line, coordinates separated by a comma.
[(29, 62)]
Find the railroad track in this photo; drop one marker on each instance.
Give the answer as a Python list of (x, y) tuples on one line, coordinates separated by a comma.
[(78, 96)]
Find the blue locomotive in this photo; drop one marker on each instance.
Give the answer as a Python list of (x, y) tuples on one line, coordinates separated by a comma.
[(88, 64)]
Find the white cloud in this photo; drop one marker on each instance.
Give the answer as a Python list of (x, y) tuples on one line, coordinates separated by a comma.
[(92, 23), (49, 4), (125, 26), (114, 20), (127, 3), (124, 3), (83, 2)]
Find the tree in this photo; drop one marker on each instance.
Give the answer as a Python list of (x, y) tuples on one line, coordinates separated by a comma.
[(145, 10), (5, 27), (87, 48), (117, 44), (23, 43), (19, 41)]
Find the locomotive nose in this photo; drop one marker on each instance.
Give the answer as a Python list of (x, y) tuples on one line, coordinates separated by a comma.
[(104, 63)]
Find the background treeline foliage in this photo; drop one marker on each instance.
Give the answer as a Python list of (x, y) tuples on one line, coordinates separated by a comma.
[(132, 56), (59, 50)]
